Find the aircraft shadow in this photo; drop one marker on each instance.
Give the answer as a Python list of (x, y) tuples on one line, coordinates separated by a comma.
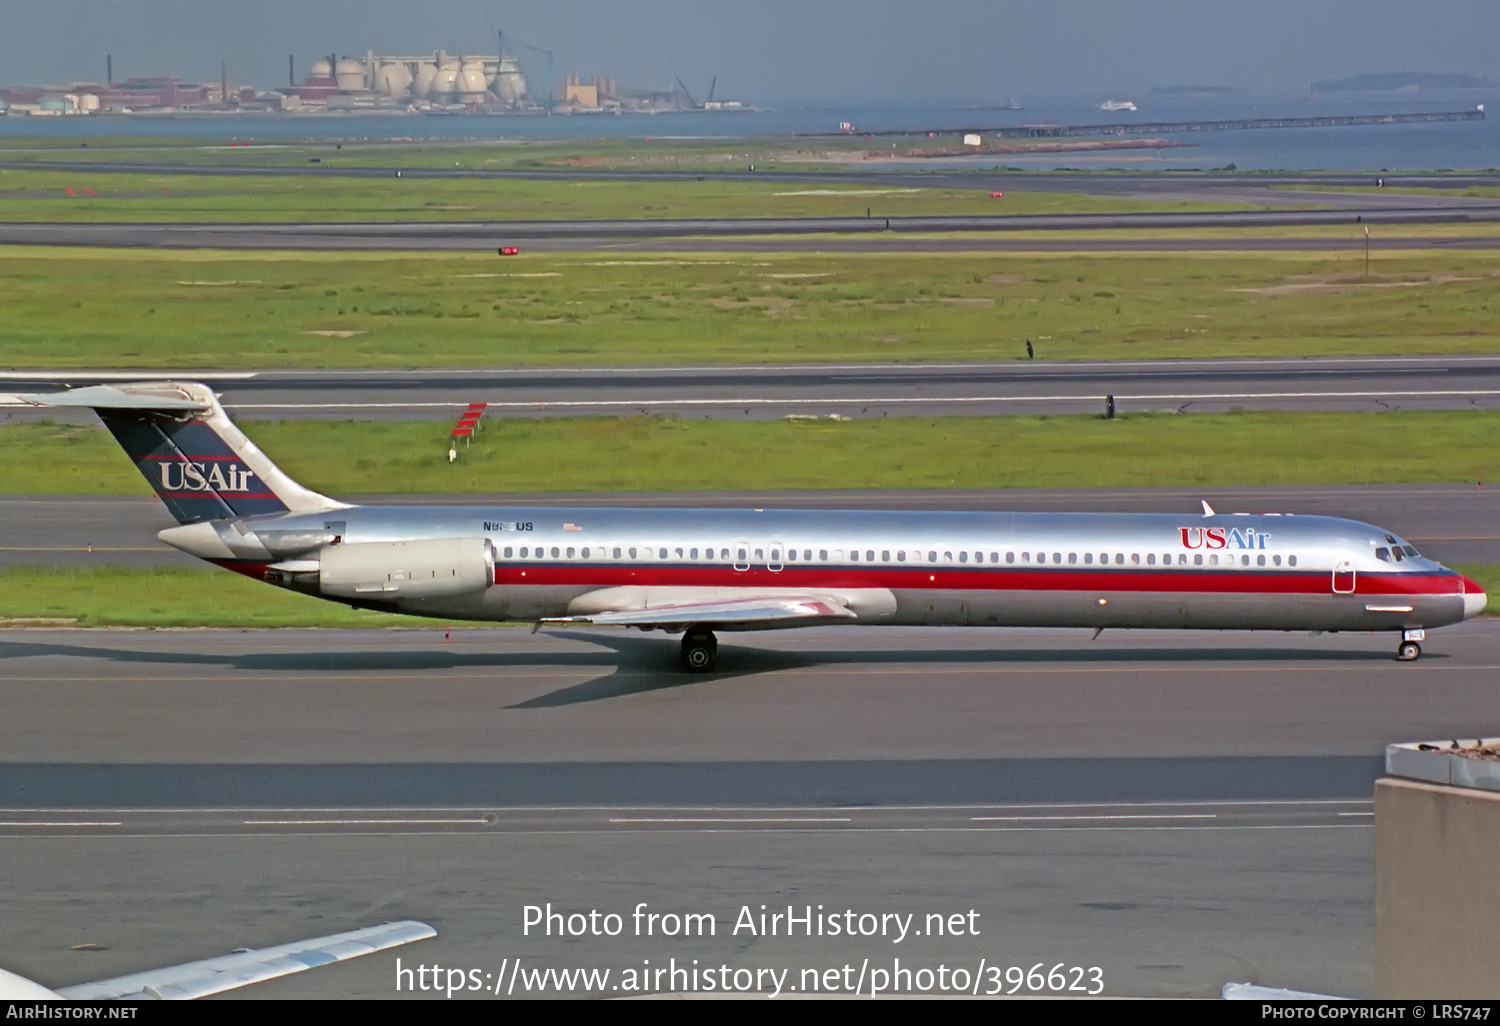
[(632, 664)]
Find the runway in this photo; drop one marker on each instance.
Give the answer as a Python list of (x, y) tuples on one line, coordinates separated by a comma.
[(850, 390), (1456, 523), (975, 232), (1179, 809)]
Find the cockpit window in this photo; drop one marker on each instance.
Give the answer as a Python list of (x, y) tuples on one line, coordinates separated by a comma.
[(1410, 551), (1384, 554)]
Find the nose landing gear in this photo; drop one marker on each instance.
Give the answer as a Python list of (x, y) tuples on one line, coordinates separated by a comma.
[(700, 650), (1408, 651)]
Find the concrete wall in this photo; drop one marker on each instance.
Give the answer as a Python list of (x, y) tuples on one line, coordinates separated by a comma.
[(1437, 891)]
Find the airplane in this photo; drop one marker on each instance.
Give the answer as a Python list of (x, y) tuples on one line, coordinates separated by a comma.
[(226, 972), (696, 572)]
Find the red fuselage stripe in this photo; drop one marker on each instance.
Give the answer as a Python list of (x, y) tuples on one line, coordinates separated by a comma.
[(1236, 582)]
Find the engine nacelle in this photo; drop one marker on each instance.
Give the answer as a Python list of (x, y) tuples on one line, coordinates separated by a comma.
[(439, 568)]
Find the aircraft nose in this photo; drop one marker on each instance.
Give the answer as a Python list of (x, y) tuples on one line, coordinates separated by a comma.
[(1474, 599)]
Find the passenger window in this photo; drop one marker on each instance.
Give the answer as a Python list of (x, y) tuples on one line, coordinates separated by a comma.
[(1010, 557), (743, 556), (524, 552), (1088, 559), (1072, 557), (1291, 561), (632, 552), (1119, 559), (693, 553), (1166, 559), (932, 557), (1245, 560), (1260, 560), (585, 553), (994, 557), (854, 555), (963, 557), (617, 552), (1026, 557), (1213, 560), (724, 554), (1150, 559), (947, 557), (885, 557), (760, 554), (1384, 554), (901, 555), (1275, 560), (554, 552), (570, 552), (1198, 559), (507, 552), (1104, 559), (823, 555), (869, 555), (662, 554), (1182, 559), (1135, 558), (791, 555)]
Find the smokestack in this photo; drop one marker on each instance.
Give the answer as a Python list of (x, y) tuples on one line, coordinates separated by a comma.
[(291, 70), (224, 82), (109, 68)]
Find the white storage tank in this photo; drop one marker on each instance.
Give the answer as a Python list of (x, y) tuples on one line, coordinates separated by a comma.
[(445, 84), (349, 74), (393, 78), (472, 81), (426, 75), (321, 69), (509, 84)]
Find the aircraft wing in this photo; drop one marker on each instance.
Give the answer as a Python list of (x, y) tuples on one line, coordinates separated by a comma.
[(755, 611), (227, 972), (153, 396)]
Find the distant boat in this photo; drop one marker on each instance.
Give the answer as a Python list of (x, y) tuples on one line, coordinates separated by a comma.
[(1118, 105)]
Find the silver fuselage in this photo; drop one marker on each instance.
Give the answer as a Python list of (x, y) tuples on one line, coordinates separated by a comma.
[(1239, 571)]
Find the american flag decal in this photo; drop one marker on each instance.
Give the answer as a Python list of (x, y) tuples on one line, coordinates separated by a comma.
[(570, 526)]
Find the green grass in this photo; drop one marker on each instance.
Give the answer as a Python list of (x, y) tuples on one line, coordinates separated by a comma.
[(661, 454), (75, 196), (113, 596), (93, 308)]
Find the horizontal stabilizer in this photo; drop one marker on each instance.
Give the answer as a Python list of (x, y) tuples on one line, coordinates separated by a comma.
[(738, 612), (163, 396), (215, 975)]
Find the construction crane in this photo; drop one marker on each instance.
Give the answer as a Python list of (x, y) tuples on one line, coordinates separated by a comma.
[(500, 37), (683, 86)]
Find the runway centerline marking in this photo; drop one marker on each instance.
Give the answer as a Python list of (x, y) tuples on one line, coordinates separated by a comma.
[(1084, 818), (360, 822), (56, 823), (732, 819)]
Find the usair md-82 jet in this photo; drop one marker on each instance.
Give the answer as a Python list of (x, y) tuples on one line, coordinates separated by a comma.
[(696, 572)]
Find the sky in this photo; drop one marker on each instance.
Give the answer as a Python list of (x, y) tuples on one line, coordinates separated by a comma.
[(781, 50)]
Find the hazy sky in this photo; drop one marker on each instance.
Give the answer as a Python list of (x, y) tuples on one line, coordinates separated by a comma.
[(782, 49)]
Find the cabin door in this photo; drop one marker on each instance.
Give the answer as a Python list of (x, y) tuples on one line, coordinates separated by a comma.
[(1343, 579)]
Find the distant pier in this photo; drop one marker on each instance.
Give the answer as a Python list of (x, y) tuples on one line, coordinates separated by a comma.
[(1050, 131)]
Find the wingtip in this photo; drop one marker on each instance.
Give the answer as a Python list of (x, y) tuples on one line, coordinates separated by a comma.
[(1208, 510)]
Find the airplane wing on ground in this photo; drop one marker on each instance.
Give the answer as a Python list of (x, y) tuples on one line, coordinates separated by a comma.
[(154, 396), (755, 611), (228, 972)]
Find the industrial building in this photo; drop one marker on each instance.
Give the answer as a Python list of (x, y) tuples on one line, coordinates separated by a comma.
[(394, 81)]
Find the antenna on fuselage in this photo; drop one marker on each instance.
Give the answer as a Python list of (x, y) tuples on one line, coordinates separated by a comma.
[(1208, 510)]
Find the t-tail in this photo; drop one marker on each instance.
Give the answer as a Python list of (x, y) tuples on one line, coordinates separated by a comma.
[(199, 464)]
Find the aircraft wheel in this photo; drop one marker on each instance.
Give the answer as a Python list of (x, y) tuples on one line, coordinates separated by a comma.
[(700, 650), (1408, 651)]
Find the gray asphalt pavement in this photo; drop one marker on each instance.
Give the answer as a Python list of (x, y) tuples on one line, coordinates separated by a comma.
[(1179, 809), (489, 235), (1454, 523), (853, 390)]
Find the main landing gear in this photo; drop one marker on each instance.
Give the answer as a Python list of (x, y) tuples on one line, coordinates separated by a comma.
[(700, 650)]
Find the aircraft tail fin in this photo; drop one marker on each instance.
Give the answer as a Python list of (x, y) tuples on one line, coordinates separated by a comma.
[(199, 464)]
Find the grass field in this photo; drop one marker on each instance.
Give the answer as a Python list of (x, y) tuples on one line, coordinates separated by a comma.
[(74, 196), (662, 454), (167, 597), (128, 308)]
